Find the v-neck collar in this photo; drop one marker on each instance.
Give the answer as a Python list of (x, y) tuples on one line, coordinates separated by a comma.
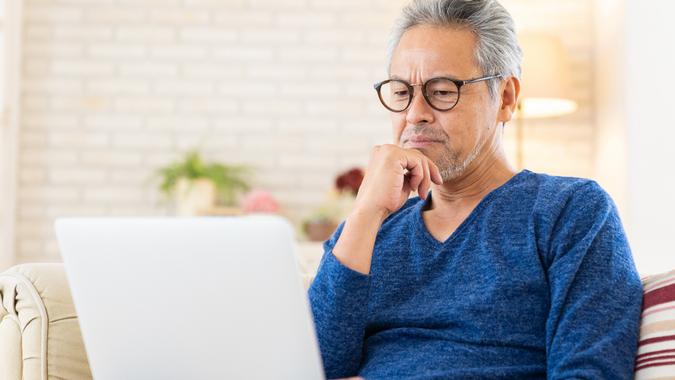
[(421, 226)]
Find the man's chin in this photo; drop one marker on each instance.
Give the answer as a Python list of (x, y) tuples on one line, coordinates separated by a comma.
[(449, 175)]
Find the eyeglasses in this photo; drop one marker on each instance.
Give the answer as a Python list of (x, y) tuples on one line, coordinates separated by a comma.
[(442, 94)]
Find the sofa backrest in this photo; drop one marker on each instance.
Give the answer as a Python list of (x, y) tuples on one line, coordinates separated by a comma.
[(656, 351)]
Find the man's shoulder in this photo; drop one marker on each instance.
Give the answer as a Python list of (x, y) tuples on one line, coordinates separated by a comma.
[(552, 189), (560, 199)]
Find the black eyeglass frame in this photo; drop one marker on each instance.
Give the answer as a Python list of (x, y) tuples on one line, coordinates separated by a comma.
[(411, 88)]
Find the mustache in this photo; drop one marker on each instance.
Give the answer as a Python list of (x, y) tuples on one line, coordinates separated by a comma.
[(423, 131)]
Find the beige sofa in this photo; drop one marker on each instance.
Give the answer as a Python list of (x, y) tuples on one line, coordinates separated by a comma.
[(39, 333), (40, 336)]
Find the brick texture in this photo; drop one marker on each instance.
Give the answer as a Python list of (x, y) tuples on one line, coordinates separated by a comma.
[(113, 89)]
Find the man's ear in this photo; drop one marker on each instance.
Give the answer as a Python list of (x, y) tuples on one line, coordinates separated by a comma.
[(508, 103)]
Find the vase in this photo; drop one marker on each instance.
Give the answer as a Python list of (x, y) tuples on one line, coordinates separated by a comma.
[(194, 197), (320, 230)]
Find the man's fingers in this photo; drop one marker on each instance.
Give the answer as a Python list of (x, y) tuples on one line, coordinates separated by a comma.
[(436, 176), (421, 172), (415, 172)]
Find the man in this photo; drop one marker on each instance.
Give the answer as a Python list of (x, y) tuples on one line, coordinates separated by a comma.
[(488, 273)]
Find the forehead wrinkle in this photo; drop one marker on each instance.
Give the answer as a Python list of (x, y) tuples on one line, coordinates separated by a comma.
[(417, 59), (425, 65)]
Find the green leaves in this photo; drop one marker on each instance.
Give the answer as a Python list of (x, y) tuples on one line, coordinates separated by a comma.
[(229, 180)]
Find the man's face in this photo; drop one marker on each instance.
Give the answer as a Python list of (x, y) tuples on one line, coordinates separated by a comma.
[(452, 139)]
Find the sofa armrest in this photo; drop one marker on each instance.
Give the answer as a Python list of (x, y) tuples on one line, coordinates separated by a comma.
[(39, 332)]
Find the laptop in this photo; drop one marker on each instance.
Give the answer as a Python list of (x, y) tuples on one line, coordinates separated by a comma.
[(189, 298)]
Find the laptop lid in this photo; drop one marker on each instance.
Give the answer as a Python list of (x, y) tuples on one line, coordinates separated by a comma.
[(189, 298)]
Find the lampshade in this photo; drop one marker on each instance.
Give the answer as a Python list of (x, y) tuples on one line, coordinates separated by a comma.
[(546, 85)]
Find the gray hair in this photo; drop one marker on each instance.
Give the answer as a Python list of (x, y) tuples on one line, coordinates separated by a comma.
[(497, 49)]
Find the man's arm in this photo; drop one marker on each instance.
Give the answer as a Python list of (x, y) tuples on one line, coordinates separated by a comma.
[(340, 291), (339, 301), (596, 293)]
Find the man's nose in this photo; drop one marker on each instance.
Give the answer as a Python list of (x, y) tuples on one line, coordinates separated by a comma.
[(419, 110)]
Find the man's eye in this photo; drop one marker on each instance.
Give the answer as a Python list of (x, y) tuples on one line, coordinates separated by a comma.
[(444, 93), (401, 93)]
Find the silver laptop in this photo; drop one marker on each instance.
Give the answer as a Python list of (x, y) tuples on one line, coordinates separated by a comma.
[(189, 298)]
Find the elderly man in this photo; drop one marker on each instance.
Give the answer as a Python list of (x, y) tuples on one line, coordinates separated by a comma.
[(488, 273)]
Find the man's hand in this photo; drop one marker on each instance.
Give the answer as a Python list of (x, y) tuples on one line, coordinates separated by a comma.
[(392, 173)]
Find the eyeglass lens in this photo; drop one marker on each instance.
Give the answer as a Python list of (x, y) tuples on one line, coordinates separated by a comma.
[(441, 93)]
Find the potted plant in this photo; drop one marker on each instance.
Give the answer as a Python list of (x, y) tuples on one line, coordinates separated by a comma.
[(197, 186), (321, 223)]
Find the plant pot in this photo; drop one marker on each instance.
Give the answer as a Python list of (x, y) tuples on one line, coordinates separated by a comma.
[(320, 230), (194, 197)]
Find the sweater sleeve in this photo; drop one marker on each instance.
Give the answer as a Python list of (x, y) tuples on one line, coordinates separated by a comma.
[(592, 329), (339, 301)]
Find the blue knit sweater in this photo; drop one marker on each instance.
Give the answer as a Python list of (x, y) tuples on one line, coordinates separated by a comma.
[(537, 282)]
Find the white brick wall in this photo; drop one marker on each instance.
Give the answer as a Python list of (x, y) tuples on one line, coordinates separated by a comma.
[(113, 89)]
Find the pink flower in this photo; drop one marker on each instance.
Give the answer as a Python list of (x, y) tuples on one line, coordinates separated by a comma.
[(259, 201)]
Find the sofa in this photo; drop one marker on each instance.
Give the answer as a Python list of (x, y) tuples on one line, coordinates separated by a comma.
[(40, 337)]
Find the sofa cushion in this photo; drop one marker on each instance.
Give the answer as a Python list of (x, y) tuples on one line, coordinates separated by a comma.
[(39, 331), (656, 351)]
